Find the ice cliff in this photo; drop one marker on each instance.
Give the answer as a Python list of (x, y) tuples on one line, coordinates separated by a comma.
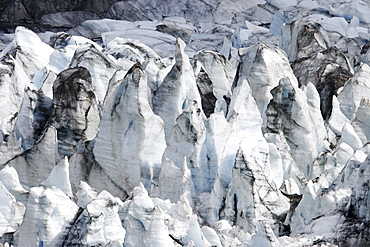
[(228, 123)]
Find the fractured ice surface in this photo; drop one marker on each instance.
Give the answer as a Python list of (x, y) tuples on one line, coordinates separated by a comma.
[(227, 123)]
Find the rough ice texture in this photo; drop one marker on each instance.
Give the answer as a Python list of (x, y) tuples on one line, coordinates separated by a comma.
[(59, 177), (98, 224), (28, 50), (130, 143), (354, 91), (177, 90), (214, 80), (11, 211), (48, 214), (179, 128), (34, 165), (13, 81), (75, 112)]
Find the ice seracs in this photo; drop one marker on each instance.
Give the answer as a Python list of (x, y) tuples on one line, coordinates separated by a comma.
[(190, 132), (130, 143), (65, 47), (347, 9), (85, 194), (101, 70), (174, 182), (200, 134), (75, 99), (302, 38), (13, 81), (360, 123), (28, 50), (127, 52), (11, 211), (34, 165), (98, 224), (249, 182), (48, 214), (255, 62), (354, 91), (144, 221), (59, 177), (24, 124), (215, 76), (9, 178), (177, 90), (335, 201)]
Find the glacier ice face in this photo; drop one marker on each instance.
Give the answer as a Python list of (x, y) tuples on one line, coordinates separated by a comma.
[(144, 221), (177, 90), (302, 38), (337, 119), (306, 42), (48, 214), (65, 47), (24, 124), (190, 132), (101, 70), (130, 143), (9, 178), (85, 194), (9, 149), (99, 222), (180, 128), (354, 91), (174, 182), (74, 98), (360, 123), (59, 177), (335, 201), (13, 81), (255, 62), (348, 9), (35, 165), (11, 211), (215, 76), (28, 50), (250, 197), (127, 52), (334, 70), (285, 116)]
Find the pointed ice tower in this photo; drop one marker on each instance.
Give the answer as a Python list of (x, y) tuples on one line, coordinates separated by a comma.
[(130, 143), (250, 195), (98, 224), (11, 211), (215, 76), (29, 51), (99, 65), (49, 213), (177, 90), (75, 112), (59, 177), (144, 221), (34, 165)]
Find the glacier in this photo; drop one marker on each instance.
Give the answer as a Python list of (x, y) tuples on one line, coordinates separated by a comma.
[(188, 123)]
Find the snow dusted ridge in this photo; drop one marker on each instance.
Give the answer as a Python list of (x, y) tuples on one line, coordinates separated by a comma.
[(174, 128)]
